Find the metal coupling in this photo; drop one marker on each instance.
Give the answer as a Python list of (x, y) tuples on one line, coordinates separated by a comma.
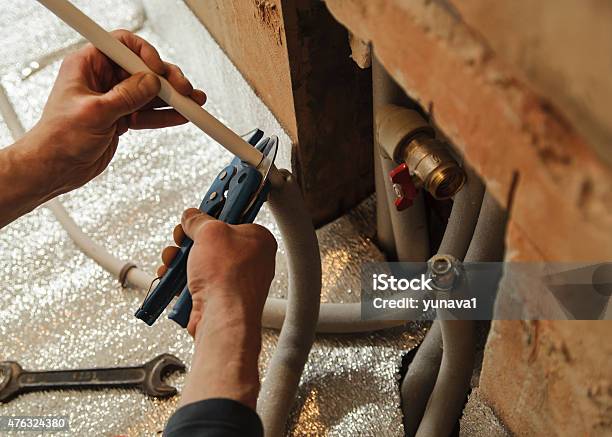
[(444, 272), (406, 137)]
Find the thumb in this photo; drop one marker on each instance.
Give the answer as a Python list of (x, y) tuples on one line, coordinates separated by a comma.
[(193, 220), (130, 95)]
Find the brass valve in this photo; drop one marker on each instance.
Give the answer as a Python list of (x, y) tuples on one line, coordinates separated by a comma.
[(433, 166), (407, 138)]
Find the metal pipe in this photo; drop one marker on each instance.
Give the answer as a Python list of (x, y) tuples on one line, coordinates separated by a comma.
[(420, 379), (459, 337)]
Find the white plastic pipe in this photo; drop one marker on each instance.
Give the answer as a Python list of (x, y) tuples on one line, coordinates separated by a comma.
[(131, 63)]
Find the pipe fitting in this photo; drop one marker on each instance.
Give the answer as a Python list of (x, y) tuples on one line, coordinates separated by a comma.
[(406, 137), (433, 166), (396, 127), (444, 271)]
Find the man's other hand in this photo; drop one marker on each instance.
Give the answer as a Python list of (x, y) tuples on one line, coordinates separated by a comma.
[(229, 270)]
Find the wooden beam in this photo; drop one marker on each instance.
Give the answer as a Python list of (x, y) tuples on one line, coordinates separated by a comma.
[(296, 57)]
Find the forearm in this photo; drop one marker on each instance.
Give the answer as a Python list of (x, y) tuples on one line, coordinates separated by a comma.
[(225, 362), (25, 179)]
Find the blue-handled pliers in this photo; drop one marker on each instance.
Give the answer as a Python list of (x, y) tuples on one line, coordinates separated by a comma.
[(235, 196)]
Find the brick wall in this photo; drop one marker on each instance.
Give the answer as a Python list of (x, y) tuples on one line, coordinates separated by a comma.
[(296, 58)]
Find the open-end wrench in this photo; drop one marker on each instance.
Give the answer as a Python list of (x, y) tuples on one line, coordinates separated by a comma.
[(147, 378)]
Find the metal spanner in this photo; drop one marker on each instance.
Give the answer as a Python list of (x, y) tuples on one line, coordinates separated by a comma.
[(147, 378)]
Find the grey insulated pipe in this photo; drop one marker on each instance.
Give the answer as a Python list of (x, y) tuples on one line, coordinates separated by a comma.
[(402, 234), (459, 337), (297, 335), (420, 379)]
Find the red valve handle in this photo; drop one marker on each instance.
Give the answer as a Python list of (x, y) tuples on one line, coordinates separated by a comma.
[(405, 190)]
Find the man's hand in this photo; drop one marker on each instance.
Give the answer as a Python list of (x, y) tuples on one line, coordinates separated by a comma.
[(94, 101), (229, 272)]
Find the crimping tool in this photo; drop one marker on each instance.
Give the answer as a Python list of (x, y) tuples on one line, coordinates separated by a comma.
[(235, 196)]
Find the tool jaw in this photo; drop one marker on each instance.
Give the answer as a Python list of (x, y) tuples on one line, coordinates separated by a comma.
[(9, 371), (155, 372)]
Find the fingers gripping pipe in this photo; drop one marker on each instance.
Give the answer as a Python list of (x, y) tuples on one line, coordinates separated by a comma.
[(133, 64)]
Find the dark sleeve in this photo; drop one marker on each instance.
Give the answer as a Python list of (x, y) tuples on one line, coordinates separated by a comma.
[(214, 418)]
